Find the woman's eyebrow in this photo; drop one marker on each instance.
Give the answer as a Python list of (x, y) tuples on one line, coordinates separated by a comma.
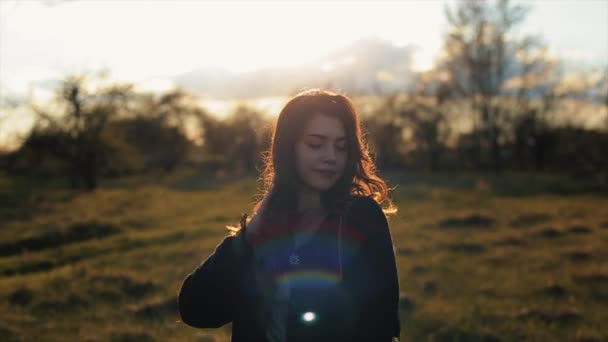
[(321, 136)]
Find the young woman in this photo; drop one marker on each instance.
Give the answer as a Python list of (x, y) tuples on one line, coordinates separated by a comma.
[(316, 260)]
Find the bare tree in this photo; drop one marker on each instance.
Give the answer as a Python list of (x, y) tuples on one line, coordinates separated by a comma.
[(74, 137), (235, 143), (425, 121), (162, 126), (483, 58)]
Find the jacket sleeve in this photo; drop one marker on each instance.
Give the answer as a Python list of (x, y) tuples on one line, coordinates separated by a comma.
[(378, 288), (208, 295)]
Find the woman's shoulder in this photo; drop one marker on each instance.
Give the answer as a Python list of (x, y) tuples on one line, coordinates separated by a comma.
[(365, 218), (362, 204), (364, 212)]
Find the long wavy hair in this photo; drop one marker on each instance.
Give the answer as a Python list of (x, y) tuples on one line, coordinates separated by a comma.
[(359, 178)]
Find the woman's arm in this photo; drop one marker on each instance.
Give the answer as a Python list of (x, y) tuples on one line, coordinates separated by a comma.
[(375, 283), (207, 298)]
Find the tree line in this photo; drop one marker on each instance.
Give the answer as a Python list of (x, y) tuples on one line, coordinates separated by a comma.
[(489, 104)]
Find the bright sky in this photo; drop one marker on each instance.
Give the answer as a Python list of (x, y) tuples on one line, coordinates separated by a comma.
[(153, 40), (149, 39)]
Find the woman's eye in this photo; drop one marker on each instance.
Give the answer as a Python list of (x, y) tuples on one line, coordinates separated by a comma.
[(341, 147), (314, 146)]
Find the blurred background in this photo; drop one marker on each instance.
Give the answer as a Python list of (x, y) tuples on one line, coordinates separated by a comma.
[(132, 132)]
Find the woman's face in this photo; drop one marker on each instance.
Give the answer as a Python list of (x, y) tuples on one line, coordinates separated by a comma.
[(321, 152)]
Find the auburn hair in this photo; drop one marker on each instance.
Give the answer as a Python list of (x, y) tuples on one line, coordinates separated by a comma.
[(359, 178)]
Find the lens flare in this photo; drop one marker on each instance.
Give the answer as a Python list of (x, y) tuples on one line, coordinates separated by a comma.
[(309, 317)]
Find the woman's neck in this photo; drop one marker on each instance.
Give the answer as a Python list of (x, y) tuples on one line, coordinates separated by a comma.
[(308, 199)]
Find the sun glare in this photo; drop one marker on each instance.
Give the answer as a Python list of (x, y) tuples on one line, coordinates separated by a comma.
[(160, 38), (422, 61)]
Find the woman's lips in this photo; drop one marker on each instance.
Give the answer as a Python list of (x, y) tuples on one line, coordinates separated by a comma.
[(326, 173)]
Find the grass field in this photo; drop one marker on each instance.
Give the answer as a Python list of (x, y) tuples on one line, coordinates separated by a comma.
[(480, 258)]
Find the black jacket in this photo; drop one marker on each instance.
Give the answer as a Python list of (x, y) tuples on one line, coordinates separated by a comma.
[(351, 283)]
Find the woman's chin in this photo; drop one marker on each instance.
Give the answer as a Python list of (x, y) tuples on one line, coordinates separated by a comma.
[(318, 184), (322, 186)]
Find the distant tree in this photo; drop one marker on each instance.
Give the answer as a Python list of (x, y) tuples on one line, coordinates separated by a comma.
[(486, 63), (533, 136), (425, 119), (385, 133), (162, 127), (603, 94), (75, 136), (247, 126), (235, 142), (605, 91)]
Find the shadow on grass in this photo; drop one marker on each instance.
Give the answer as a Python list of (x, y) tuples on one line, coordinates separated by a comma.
[(472, 221), (122, 245), (156, 309), (505, 184), (76, 233), (131, 336)]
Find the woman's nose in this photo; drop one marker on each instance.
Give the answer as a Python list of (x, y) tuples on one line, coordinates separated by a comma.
[(330, 154)]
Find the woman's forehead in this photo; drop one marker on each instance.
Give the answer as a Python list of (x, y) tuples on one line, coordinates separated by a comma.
[(324, 126)]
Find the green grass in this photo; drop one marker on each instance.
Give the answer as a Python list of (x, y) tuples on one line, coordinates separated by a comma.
[(480, 257)]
